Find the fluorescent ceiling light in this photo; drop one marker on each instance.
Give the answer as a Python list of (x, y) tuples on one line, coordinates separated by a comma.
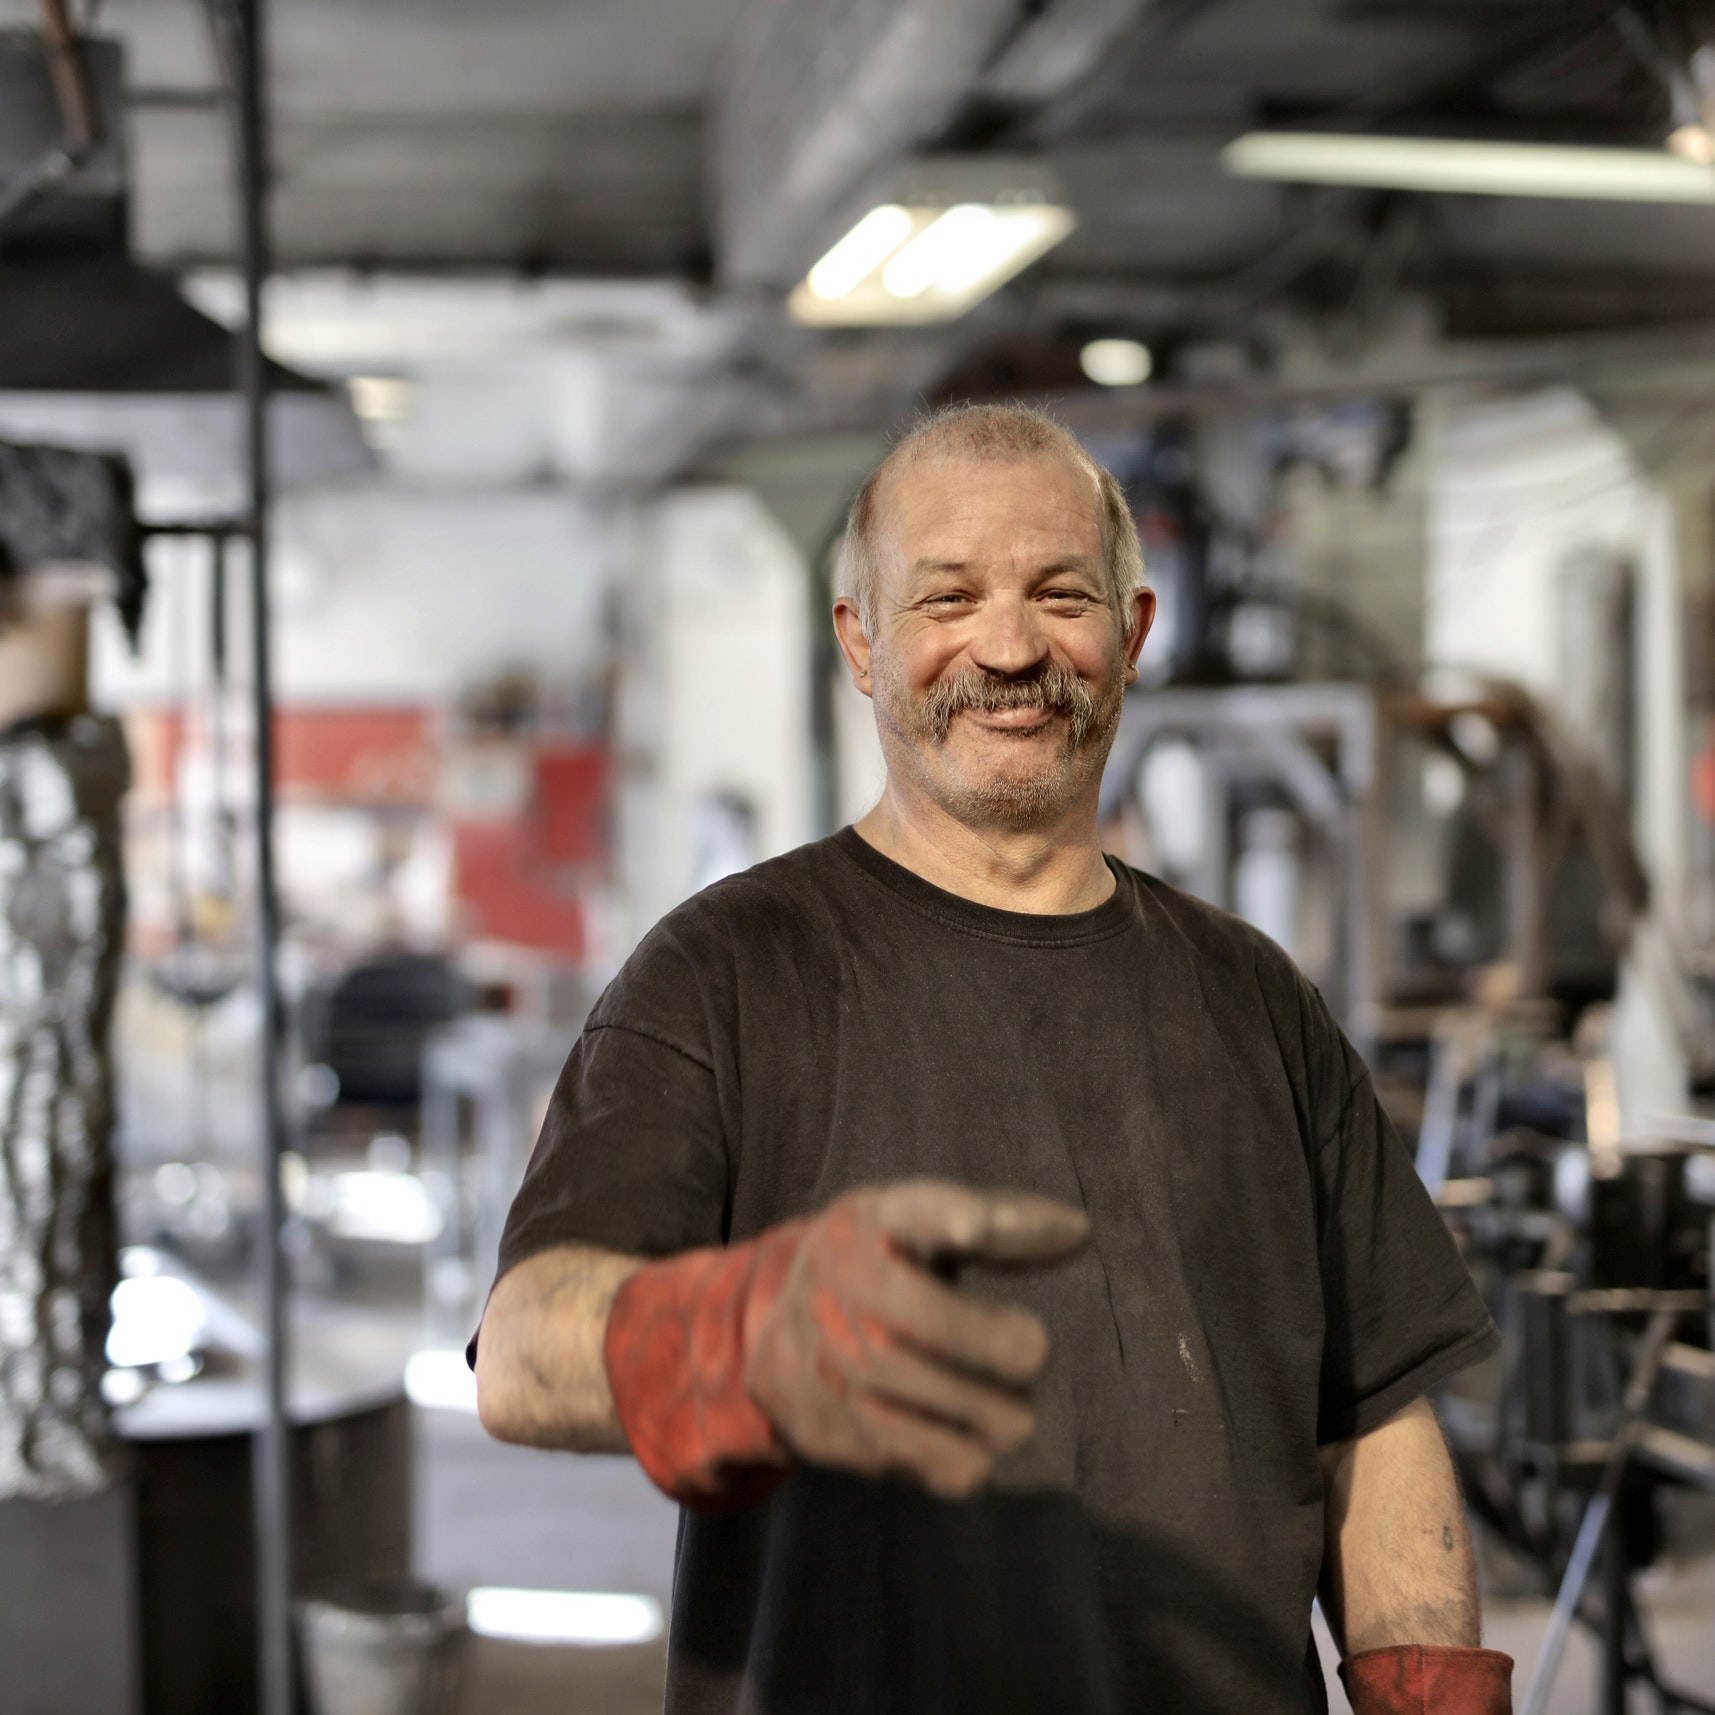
[(1116, 362), (563, 1616), (1478, 169), (967, 244), (861, 251), (930, 266)]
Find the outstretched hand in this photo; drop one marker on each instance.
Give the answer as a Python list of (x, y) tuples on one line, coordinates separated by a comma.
[(862, 1358)]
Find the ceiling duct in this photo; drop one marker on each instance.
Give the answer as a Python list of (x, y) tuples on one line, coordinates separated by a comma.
[(1062, 45), (97, 352), (62, 154), (815, 95)]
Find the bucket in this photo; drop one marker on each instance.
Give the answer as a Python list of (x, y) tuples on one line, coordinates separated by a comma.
[(382, 1647)]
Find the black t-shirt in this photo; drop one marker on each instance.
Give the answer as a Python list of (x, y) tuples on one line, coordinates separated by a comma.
[(1264, 1273)]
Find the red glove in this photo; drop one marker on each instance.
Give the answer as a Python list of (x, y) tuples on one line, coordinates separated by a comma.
[(1415, 1679), (829, 1339)]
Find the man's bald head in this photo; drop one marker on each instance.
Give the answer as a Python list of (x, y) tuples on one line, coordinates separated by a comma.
[(984, 433)]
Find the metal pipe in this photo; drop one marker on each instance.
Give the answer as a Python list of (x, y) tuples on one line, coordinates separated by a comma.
[(71, 86), (272, 1469), (77, 118)]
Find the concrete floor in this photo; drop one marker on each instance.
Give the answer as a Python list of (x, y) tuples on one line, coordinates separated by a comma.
[(488, 1514)]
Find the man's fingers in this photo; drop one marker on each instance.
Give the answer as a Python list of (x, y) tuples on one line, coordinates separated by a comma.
[(932, 1218), (855, 1430), (998, 1340), (944, 1461), (999, 1419)]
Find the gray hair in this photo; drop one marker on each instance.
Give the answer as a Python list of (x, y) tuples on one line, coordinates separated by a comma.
[(987, 432)]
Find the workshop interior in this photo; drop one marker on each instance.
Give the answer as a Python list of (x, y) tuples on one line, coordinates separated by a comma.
[(426, 435)]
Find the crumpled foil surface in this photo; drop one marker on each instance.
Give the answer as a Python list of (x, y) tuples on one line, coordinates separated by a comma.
[(56, 504), (62, 917)]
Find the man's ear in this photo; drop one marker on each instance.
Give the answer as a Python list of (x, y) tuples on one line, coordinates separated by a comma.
[(1142, 617), (853, 641)]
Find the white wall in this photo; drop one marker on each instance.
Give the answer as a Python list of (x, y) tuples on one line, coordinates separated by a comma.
[(525, 417), (386, 594), (714, 688)]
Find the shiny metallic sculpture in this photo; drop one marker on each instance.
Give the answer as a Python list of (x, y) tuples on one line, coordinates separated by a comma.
[(67, 536), (62, 909)]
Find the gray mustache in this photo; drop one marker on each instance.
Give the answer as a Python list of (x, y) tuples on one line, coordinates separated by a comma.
[(1051, 688)]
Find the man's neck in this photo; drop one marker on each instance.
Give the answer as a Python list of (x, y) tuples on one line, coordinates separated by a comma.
[(1044, 871)]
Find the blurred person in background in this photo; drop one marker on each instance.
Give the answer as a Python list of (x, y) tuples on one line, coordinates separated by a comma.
[(1001, 1255)]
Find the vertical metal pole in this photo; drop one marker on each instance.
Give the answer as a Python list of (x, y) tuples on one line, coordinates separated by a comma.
[(272, 1472), (218, 712), (1616, 1594)]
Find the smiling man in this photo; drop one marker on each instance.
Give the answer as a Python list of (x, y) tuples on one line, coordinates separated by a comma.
[(1001, 1255)]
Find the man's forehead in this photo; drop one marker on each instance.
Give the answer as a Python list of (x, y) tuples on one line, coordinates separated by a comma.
[(945, 492)]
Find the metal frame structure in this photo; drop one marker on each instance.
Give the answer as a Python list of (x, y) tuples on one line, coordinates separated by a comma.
[(240, 31), (239, 28), (1321, 744)]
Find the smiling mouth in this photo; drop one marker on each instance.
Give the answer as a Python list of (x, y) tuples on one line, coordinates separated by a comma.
[(1027, 719)]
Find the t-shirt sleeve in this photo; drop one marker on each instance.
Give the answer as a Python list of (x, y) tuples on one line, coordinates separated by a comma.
[(632, 1155), (1401, 1312)]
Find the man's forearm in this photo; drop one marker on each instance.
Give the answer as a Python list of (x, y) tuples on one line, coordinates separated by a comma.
[(540, 1375), (1398, 1567)]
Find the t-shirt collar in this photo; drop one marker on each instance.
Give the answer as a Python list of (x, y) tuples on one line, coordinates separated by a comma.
[(1026, 928)]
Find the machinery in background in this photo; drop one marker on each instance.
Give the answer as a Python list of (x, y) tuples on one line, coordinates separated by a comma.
[(1395, 844), (1457, 877), (1596, 1262)]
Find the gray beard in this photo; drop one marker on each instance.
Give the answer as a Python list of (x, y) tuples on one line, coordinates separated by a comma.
[(1091, 720)]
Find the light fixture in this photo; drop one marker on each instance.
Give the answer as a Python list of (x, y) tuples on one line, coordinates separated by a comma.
[(1473, 168), (1116, 362), (1693, 141), (563, 1616), (937, 238), (381, 398), (1690, 93), (861, 251)]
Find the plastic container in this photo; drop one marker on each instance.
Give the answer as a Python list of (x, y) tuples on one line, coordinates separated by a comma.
[(382, 1648)]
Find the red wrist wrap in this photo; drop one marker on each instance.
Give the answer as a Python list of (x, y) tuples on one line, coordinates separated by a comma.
[(1416, 1679), (675, 1354)]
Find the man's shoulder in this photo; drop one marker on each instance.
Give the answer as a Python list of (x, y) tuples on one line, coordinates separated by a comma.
[(1207, 927), (777, 903), (777, 891), (1234, 956)]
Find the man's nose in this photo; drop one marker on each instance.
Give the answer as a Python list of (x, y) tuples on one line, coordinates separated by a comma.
[(1008, 640)]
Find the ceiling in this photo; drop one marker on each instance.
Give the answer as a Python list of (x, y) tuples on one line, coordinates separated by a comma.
[(722, 143)]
